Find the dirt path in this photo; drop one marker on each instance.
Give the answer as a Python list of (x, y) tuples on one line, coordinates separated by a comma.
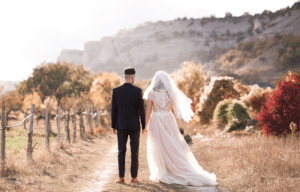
[(107, 173), (104, 172)]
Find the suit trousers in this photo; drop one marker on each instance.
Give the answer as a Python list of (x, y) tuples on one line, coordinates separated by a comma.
[(134, 135)]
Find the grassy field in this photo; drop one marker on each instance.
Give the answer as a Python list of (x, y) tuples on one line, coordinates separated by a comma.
[(242, 161), (64, 168)]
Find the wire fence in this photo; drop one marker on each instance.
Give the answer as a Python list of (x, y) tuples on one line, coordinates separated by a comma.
[(17, 124), (91, 117)]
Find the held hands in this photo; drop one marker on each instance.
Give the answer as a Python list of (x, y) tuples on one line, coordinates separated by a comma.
[(145, 131)]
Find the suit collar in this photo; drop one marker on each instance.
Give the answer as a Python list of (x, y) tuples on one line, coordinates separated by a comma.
[(127, 84)]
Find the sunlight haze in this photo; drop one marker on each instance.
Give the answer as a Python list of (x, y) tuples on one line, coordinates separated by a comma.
[(33, 32)]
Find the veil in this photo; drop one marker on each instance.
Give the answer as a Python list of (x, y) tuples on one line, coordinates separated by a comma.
[(181, 103)]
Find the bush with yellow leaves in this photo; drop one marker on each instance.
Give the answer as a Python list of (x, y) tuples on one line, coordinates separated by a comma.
[(190, 79), (101, 89)]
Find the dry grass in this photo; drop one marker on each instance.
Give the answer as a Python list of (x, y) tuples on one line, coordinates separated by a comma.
[(64, 168), (144, 185), (249, 162), (242, 162)]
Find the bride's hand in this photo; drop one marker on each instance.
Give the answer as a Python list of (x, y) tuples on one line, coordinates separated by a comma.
[(145, 131)]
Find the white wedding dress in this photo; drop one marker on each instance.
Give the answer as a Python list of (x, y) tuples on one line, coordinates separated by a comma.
[(170, 159)]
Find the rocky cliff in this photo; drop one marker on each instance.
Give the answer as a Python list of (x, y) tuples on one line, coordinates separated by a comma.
[(165, 45)]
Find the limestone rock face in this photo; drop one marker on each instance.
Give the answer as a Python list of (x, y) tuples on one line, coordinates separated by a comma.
[(257, 25), (71, 56), (165, 45), (98, 52)]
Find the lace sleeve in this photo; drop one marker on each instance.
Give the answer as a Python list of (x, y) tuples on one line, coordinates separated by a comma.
[(151, 96)]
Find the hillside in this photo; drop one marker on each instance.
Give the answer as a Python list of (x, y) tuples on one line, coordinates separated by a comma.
[(166, 44)]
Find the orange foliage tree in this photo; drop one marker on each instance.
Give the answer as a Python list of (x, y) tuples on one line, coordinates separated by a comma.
[(57, 80), (101, 89), (190, 79), (12, 100)]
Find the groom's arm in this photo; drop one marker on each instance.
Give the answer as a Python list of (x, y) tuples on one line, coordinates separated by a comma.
[(114, 111), (142, 110)]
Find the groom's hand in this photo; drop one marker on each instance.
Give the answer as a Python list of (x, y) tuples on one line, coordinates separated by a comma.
[(115, 131), (145, 132)]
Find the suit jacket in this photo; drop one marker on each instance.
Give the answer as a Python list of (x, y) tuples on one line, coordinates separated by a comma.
[(127, 107)]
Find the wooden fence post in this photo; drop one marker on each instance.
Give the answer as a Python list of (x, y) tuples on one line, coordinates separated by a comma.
[(67, 138), (74, 124), (47, 129), (92, 118), (58, 125), (3, 131), (80, 121), (87, 115), (98, 119), (25, 120), (30, 133)]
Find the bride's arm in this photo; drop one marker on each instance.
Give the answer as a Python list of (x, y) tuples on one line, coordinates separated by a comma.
[(148, 113)]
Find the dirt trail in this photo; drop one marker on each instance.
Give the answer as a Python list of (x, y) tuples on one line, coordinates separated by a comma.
[(106, 173)]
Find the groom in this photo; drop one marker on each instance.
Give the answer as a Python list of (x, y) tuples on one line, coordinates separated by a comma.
[(126, 113)]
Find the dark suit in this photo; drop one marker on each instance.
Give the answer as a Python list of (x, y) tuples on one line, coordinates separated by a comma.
[(127, 112)]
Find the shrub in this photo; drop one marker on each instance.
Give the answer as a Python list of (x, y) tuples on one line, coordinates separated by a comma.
[(240, 38), (191, 23), (214, 35), (219, 88), (101, 89), (282, 108), (190, 79), (220, 117), (192, 32), (228, 32), (257, 102), (234, 114), (256, 99), (289, 53), (246, 46)]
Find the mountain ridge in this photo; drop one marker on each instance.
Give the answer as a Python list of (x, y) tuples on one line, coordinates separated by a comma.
[(166, 45)]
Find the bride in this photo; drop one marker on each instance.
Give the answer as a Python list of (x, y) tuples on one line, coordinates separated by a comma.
[(169, 157)]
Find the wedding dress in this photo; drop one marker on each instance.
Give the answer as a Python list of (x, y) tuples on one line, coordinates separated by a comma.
[(170, 159)]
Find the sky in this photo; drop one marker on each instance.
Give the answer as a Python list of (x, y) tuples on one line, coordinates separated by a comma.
[(34, 32)]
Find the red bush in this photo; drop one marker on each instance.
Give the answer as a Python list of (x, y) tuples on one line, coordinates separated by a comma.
[(282, 107), (257, 102)]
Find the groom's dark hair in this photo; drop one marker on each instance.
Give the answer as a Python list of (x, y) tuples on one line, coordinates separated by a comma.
[(129, 71)]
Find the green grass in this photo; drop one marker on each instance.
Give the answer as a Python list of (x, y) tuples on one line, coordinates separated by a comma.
[(17, 139)]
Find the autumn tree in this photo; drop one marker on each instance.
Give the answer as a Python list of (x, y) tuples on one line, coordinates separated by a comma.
[(101, 90), (12, 100), (190, 79), (58, 80)]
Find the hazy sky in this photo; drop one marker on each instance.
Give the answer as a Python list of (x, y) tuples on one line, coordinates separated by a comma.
[(33, 32)]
